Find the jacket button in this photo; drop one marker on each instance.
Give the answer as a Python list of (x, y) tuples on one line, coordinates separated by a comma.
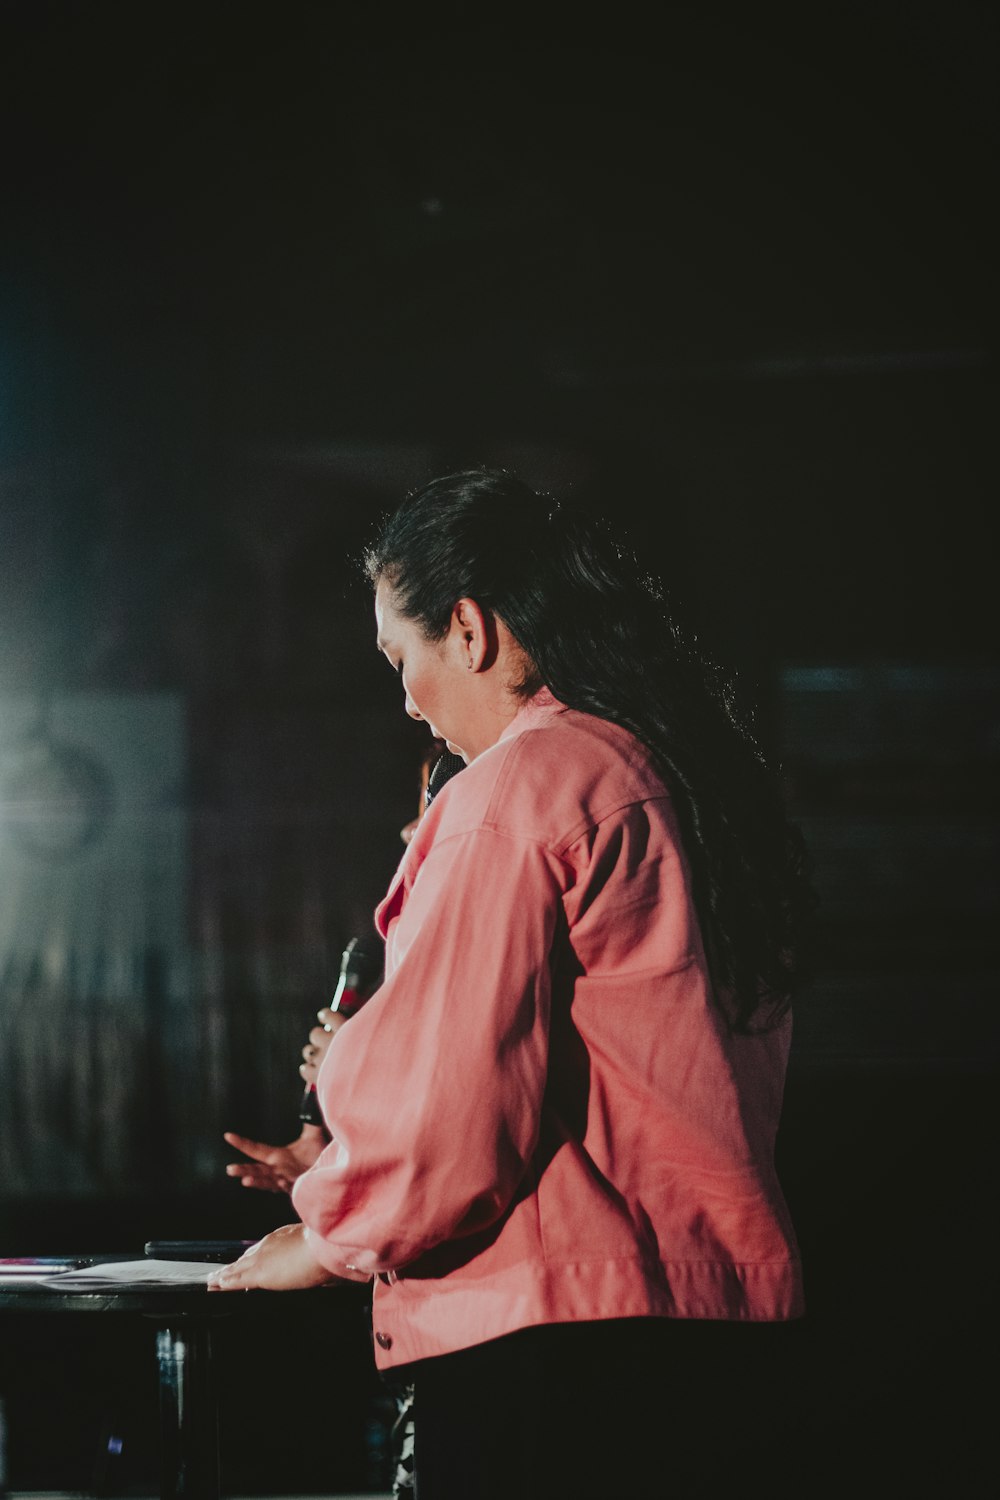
[(384, 1340)]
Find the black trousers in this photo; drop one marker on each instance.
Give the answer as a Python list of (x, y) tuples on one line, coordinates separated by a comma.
[(638, 1407)]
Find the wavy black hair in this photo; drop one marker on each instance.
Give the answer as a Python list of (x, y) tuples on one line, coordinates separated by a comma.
[(599, 634)]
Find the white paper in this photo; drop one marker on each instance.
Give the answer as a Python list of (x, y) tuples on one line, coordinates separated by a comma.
[(149, 1272)]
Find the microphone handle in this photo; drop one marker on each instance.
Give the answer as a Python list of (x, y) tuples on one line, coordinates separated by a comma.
[(309, 1110)]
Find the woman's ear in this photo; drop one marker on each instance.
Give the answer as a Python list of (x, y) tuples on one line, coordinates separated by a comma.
[(474, 632)]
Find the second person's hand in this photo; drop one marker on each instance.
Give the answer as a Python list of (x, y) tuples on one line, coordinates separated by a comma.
[(273, 1169)]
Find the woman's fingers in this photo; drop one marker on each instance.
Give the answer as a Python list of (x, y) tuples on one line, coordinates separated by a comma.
[(330, 1020), (281, 1261)]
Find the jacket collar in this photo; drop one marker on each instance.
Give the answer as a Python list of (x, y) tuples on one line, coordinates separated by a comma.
[(542, 705)]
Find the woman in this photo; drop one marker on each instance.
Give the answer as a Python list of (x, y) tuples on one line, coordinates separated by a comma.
[(553, 1125)]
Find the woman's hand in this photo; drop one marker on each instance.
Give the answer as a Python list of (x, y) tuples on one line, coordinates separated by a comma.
[(320, 1038), (273, 1169), (280, 1262)]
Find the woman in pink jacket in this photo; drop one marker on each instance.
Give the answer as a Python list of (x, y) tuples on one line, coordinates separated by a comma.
[(552, 1128)]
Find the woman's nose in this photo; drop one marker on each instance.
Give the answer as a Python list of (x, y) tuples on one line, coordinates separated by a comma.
[(412, 709)]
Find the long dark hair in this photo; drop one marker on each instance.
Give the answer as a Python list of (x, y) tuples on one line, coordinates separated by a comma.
[(599, 634)]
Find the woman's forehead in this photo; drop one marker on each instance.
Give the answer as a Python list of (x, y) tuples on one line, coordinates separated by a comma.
[(393, 627), (385, 613)]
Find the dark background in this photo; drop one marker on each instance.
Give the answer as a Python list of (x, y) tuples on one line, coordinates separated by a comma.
[(264, 268)]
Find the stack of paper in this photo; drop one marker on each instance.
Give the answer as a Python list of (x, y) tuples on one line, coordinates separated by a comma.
[(148, 1272)]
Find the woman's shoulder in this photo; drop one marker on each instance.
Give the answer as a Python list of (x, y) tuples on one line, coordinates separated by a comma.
[(551, 773)]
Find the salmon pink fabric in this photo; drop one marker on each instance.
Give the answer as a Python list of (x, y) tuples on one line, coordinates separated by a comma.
[(541, 1115)]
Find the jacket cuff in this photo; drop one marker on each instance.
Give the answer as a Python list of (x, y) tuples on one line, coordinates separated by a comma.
[(334, 1258)]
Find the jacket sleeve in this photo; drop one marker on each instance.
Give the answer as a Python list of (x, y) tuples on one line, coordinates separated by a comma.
[(433, 1093)]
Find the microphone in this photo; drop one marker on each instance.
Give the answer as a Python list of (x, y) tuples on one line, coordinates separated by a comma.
[(360, 971), (444, 768)]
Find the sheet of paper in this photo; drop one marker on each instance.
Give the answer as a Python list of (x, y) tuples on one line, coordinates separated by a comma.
[(147, 1271)]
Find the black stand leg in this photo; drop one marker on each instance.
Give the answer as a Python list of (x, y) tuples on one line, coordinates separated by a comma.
[(189, 1417)]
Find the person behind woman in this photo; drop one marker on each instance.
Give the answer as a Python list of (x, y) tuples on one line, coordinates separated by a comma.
[(554, 1124)]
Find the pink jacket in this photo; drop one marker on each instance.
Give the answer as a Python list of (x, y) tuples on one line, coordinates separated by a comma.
[(540, 1116)]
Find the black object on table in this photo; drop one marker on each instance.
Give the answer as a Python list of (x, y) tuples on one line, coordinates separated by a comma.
[(184, 1317)]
